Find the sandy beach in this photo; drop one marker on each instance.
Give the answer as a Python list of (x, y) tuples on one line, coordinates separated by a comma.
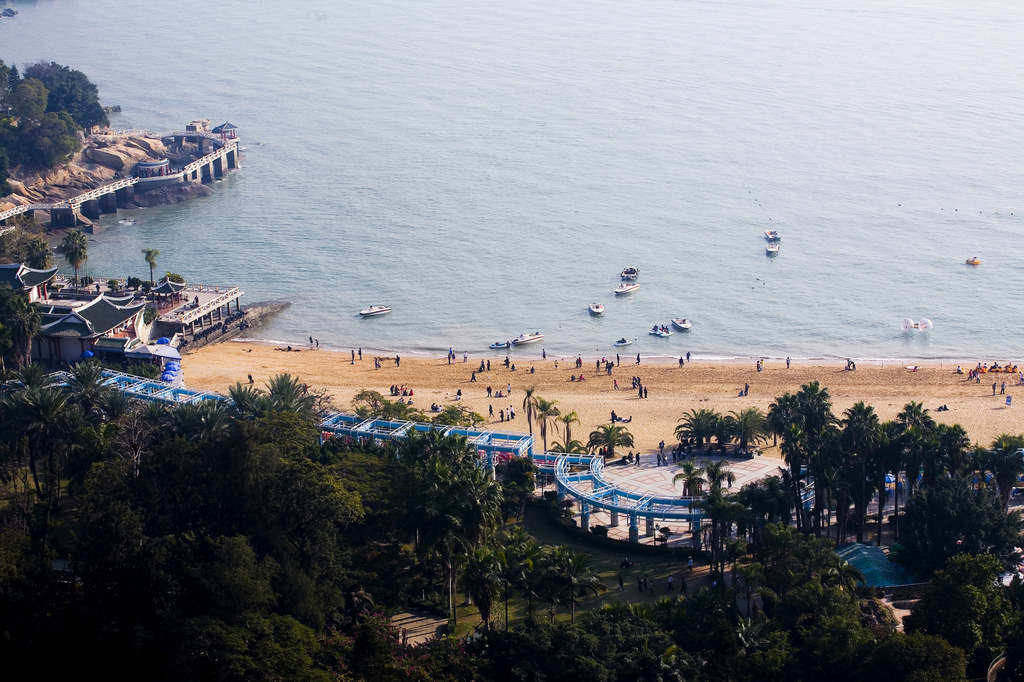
[(672, 390)]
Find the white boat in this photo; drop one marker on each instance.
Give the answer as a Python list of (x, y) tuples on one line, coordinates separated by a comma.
[(681, 323), (375, 310), (660, 331), (622, 342), (626, 288), (524, 339), (772, 235), (499, 344), (596, 309), (771, 247), (630, 273)]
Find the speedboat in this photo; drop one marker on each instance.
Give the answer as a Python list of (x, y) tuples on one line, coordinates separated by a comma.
[(681, 323), (375, 310), (630, 273), (499, 344), (772, 235), (974, 261), (622, 342), (596, 309), (772, 248), (524, 339), (660, 331), (626, 288)]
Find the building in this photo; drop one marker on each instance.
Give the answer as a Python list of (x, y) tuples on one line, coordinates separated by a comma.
[(22, 278), (72, 328)]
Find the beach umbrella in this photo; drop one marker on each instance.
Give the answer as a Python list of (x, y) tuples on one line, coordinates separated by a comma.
[(167, 377), (163, 341), (889, 478), (166, 352), (88, 354)]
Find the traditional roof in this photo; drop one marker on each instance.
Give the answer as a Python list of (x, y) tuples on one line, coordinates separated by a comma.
[(95, 318), (167, 287), (21, 277), (111, 343), (224, 127)]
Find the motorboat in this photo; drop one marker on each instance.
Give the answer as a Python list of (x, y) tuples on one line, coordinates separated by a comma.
[(681, 323), (499, 344), (626, 288), (771, 248), (974, 261), (596, 309), (375, 310), (524, 339), (772, 235), (622, 342), (660, 331), (630, 273)]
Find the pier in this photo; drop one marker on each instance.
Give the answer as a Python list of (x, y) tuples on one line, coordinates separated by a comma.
[(119, 194)]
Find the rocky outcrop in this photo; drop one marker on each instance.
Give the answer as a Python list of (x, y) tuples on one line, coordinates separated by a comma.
[(171, 194)]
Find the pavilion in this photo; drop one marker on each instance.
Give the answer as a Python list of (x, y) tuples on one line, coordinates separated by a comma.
[(22, 278), (226, 131), (72, 328)]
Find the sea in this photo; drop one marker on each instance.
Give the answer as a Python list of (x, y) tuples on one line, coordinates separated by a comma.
[(488, 168)]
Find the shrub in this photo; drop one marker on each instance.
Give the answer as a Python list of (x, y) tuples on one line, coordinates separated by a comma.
[(113, 284)]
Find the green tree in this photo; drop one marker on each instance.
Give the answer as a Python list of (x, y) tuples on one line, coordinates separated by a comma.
[(965, 606), (1006, 463), (28, 102), (567, 420), (38, 254), (76, 250), (914, 657), (700, 425), (862, 434), (749, 426), (482, 580), (20, 320), (547, 411), (70, 91), (151, 256), (692, 477), (573, 572), (610, 436)]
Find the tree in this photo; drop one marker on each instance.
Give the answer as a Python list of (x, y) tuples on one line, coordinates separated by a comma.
[(546, 411), (28, 102), (861, 433), (749, 426), (573, 572), (700, 425), (567, 420), (70, 91), (914, 657), (21, 321), (151, 256), (76, 250), (38, 254), (610, 436), (482, 580), (1006, 464), (572, 447), (965, 606), (953, 518), (528, 406), (692, 476)]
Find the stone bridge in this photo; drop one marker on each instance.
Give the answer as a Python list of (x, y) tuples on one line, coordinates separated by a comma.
[(119, 194)]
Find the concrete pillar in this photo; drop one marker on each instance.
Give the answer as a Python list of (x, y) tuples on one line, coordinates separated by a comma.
[(91, 209), (218, 167), (124, 196), (649, 527), (634, 529), (108, 203), (199, 142), (585, 516), (696, 534), (207, 171), (614, 522), (230, 156)]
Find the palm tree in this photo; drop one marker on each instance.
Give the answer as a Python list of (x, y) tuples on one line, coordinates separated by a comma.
[(38, 254), (151, 256), (482, 581), (861, 433), (88, 384), (290, 395), (699, 425), (23, 321), (781, 413), (568, 420), (572, 570), (528, 406), (546, 411), (610, 436), (572, 447), (749, 426), (718, 473), (76, 250), (955, 444), (692, 477), (1006, 464)]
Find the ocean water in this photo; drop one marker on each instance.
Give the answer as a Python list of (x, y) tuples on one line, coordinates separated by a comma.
[(488, 168)]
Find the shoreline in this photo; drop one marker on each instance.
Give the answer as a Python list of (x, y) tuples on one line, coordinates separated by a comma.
[(673, 391)]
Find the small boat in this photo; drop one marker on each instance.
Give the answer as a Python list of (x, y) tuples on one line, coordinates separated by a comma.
[(662, 331), (974, 261), (626, 288), (772, 235), (375, 310), (524, 339), (630, 273), (681, 323), (622, 342), (771, 248), (596, 309), (499, 344)]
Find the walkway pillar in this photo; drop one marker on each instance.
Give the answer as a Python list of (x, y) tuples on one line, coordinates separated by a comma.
[(695, 543), (108, 203), (634, 529), (649, 527), (124, 196), (585, 516), (230, 156), (218, 167), (91, 209), (207, 172), (614, 519), (488, 467)]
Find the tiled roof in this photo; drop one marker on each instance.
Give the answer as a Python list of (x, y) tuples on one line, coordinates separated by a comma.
[(167, 287), (95, 318), (21, 277)]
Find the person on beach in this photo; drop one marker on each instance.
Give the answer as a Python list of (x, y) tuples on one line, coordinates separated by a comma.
[(618, 361), (465, 356), (509, 389), (473, 377), (993, 388), (622, 587), (616, 382), (360, 353), (490, 410), (638, 358), (787, 362), (398, 361), (318, 343), (543, 354), (1002, 389), (680, 360), (641, 390), (310, 341), (488, 365), (687, 356), (250, 379), (746, 389), (488, 391), (353, 357)]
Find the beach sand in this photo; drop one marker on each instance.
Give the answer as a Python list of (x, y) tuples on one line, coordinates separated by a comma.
[(672, 390)]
